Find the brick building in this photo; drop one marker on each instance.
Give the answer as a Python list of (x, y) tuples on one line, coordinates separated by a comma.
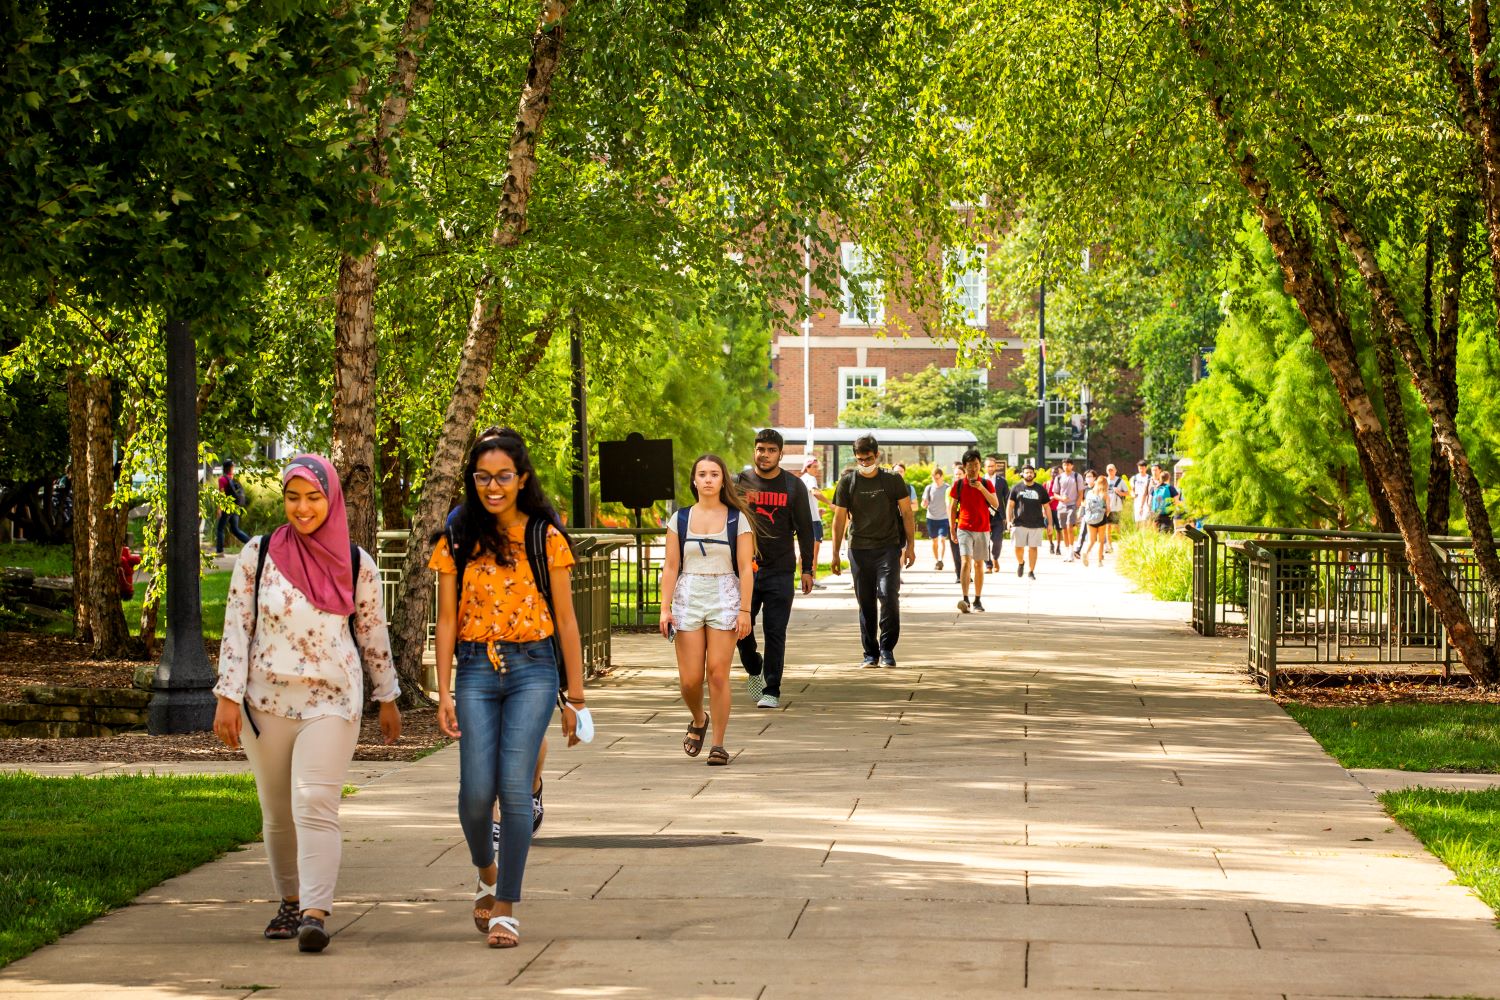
[(870, 337)]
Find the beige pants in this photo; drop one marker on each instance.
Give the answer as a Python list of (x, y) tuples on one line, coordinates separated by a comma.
[(300, 766)]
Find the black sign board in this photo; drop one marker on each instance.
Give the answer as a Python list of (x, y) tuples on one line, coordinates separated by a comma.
[(636, 472)]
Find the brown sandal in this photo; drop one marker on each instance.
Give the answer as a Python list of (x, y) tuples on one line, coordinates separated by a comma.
[(718, 757), (692, 743)]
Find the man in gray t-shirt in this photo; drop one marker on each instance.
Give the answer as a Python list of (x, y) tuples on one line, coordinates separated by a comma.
[(1068, 488)]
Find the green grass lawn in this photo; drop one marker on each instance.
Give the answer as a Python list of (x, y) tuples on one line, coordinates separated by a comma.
[(46, 560), (1408, 737), (215, 594), (72, 849), (1461, 828)]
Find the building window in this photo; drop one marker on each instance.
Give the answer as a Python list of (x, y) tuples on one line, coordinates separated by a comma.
[(968, 285), (981, 376), (864, 292), (853, 381)]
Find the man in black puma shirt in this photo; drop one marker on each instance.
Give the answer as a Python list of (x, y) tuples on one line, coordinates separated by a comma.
[(779, 508)]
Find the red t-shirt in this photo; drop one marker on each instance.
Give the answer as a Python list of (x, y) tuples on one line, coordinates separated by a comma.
[(973, 508)]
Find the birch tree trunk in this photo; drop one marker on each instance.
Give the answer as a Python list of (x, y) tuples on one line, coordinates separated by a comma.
[(1310, 288), (409, 622), (354, 344)]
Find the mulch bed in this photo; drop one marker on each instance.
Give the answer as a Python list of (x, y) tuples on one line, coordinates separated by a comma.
[(27, 660), (1344, 690)]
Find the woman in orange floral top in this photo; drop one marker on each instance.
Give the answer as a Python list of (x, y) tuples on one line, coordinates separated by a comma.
[(498, 625)]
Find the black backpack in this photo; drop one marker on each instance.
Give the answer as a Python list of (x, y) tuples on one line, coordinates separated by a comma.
[(536, 557), (732, 525)]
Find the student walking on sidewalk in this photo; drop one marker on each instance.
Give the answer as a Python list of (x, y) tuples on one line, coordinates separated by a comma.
[(706, 589), (780, 513), (883, 540), (498, 616), (971, 502), (935, 503), (1093, 514), (1026, 511), (304, 610)]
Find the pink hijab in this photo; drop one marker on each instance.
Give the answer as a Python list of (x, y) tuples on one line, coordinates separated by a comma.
[(319, 564)]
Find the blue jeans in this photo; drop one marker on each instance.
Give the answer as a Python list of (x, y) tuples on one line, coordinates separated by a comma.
[(503, 715), (231, 522)]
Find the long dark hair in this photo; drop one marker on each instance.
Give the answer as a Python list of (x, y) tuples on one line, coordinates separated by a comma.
[(474, 525)]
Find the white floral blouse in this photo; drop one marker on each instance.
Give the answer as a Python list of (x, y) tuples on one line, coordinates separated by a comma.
[(300, 662)]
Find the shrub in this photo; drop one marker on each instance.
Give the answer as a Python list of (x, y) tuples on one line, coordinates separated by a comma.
[(264, 511), (1159, 564)]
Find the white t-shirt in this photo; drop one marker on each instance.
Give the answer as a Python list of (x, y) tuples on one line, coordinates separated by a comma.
[(707, 554), (1141, 487), (811, 482)]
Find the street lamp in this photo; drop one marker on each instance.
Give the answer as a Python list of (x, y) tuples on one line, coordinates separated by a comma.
[(1086, 398)]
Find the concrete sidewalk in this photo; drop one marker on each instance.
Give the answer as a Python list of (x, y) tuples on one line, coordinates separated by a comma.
[(1070, 795)]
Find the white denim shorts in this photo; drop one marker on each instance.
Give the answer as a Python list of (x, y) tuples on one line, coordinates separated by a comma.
[(701, 600)]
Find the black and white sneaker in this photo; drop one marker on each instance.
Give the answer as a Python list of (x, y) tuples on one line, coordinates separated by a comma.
[(978, 605), (756, 685), (1031, 575), (537, 811), (939, 564)]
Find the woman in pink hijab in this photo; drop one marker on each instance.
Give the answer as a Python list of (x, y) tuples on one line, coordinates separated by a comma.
[(304, 612)]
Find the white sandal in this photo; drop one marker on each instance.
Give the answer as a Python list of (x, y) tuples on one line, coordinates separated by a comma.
[(482, 920), (509, 925)]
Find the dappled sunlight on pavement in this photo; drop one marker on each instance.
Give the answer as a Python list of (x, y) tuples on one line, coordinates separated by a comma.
[(1069, 795)]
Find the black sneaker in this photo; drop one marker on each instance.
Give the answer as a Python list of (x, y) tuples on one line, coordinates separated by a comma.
[(870, 661), (887, 660), (939, 564), (978, 605), (1020, 568), (312, 935), (1031, 575), (537, 811)]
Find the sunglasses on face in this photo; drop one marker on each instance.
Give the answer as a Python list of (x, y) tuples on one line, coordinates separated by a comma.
[(483, 479)]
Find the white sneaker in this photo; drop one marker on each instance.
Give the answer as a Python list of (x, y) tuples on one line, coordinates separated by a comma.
[(768, 701)]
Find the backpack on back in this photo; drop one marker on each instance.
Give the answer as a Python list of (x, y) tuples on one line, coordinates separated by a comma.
[(732, 526)]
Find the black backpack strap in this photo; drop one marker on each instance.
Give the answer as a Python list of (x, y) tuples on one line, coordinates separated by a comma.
[(459, 553), (354, 596), (260, 567), (536, 557), (732, 529), (682, 531)]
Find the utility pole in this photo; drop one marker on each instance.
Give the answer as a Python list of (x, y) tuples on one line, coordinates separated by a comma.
[(582, 517), (1041, 379)]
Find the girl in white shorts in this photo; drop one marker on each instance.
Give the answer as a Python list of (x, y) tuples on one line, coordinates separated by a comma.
[(705, 598)]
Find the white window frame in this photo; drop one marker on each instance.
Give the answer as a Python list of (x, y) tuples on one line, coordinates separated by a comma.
[(852, 260), (978, 315), (845, 374)]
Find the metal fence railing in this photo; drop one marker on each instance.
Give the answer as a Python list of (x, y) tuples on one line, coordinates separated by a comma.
[(1349, 604), (634, 573)]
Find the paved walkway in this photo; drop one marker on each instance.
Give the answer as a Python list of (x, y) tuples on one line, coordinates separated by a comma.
[(1071, 795)]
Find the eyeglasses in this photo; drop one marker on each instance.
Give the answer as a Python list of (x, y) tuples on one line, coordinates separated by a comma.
[(867, 459), (483, 479)]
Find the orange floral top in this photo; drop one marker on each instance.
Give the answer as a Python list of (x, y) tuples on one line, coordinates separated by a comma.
[(501, 603)]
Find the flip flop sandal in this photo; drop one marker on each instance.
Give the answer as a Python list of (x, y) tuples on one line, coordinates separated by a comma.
[(482, 917), (718, 757), (283, 926), (692, 743), (504, 932)]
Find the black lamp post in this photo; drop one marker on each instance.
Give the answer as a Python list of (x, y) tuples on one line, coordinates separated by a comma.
[(182, 699), (1041, 379)]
